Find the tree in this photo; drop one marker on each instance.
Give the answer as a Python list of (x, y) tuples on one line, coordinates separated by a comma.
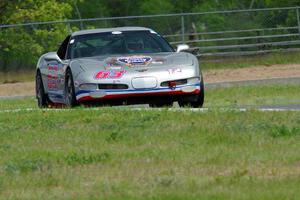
[(27, 43)]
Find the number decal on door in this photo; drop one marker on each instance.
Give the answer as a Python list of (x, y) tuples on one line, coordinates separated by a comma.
[(52, 76)]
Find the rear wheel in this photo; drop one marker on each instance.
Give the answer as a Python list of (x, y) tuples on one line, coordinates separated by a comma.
[(70, 99), (42, 98), (198, 103)]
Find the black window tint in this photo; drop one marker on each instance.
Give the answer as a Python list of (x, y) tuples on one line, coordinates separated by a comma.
[(126, 42), (63, 48)]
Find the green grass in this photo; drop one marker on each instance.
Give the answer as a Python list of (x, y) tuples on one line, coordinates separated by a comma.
[(117, 153), (279, 94), (20, 103), (123, 154)]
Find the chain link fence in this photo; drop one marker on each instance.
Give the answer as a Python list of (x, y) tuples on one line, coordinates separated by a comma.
[(210, 34)]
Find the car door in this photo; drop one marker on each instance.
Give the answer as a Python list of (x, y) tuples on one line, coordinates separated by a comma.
[(55, 70), (62, 54)]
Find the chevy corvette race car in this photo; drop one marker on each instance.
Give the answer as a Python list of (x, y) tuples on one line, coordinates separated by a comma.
[(118, 66)]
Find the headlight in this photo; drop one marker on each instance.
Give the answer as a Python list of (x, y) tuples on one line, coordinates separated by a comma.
[(194, 80), (88, 86)]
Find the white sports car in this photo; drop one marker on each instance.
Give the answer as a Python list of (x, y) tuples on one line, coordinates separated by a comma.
[(117, 66)]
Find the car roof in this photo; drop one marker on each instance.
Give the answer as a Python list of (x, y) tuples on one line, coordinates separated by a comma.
[(103, 30)]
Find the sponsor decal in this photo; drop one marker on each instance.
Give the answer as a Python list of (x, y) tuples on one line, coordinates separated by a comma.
[(135, 60), (52, 76), (174, 70), (109, 74)]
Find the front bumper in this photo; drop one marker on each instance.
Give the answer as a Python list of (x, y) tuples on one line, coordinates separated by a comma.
[(99, 95)]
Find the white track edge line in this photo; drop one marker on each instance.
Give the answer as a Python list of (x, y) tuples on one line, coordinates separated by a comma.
[(153, 109)]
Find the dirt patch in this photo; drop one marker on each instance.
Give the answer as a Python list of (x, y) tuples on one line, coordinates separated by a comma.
[(252, 73), (17, 89), (210, 76)]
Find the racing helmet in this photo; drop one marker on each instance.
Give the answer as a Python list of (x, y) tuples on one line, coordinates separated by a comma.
[(134, 44)]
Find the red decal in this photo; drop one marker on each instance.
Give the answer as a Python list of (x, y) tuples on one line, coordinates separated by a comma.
[(111, 74), (52, 76), (53, 67), (116, 73), (102, 75)]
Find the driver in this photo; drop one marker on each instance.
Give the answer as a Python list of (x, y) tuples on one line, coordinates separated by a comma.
[(134, 45)]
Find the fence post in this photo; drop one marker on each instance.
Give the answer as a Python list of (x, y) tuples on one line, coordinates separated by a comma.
[(81, 25), (298, 19), (182, 29), (69, 28)]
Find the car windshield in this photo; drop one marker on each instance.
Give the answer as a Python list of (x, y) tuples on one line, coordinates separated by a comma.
[(116, 42)]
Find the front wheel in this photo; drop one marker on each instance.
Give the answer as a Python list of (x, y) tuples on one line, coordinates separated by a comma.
[(40, 91), (70, 99), (198, 103)]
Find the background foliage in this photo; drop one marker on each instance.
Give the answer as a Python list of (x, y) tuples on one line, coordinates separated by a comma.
[(20, 47)]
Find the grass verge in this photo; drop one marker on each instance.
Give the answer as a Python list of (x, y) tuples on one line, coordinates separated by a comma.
[(124, 154), (115, 153)]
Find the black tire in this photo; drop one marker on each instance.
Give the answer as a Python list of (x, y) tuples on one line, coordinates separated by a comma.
[(199, 99), (69, 90), (160, 105), (42, 98)]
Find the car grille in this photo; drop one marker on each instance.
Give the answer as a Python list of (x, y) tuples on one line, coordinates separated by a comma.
[(112, 86), (178, 82)]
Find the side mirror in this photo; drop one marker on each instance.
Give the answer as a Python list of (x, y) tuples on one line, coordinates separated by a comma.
[(52, 56), (182, 47)]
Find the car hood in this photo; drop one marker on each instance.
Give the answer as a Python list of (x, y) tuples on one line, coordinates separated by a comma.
[(130, 62)]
